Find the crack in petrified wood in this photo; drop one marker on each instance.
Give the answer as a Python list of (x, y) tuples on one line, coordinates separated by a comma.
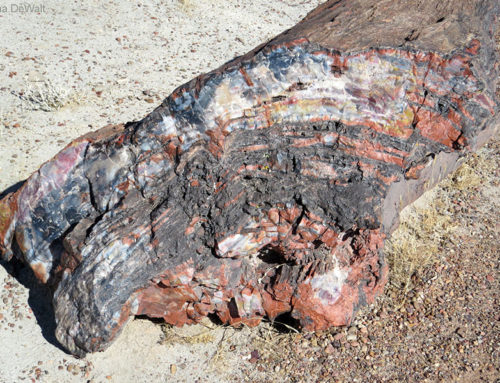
[(263, 189)]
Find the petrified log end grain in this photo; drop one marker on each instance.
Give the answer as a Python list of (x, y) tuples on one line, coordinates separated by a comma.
[(267, 186)]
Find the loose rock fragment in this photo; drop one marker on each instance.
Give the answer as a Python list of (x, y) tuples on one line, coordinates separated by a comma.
[(268, 186)]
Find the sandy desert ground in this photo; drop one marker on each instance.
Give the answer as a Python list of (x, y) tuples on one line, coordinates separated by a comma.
[(78, 66)]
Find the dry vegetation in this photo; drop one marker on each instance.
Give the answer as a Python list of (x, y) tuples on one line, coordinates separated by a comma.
[(46, 96)]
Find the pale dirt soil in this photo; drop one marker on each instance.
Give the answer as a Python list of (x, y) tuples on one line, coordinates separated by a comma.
[(81, 65)]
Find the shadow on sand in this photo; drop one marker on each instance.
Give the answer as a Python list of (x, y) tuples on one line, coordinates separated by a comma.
[(12, 189), (39, 300)]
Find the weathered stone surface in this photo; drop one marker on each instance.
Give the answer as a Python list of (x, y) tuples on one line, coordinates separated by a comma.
[(267, 186)]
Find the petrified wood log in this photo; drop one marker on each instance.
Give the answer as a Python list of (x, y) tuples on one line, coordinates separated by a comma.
[(267, 186)]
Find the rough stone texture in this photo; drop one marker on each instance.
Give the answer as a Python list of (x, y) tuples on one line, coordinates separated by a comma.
[(267, 186)]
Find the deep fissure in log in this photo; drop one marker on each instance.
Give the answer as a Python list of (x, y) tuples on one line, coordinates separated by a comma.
[(266, 187)]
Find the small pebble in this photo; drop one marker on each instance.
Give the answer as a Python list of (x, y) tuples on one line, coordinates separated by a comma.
[(351, 337)]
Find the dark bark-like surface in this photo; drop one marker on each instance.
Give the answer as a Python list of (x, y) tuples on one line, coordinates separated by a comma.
[(267, 186)]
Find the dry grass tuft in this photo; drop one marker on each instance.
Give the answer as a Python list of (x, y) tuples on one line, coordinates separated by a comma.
[(427, 224), (171, 336), (47, 97), (413, 245), (467, 175), (187, 5)]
